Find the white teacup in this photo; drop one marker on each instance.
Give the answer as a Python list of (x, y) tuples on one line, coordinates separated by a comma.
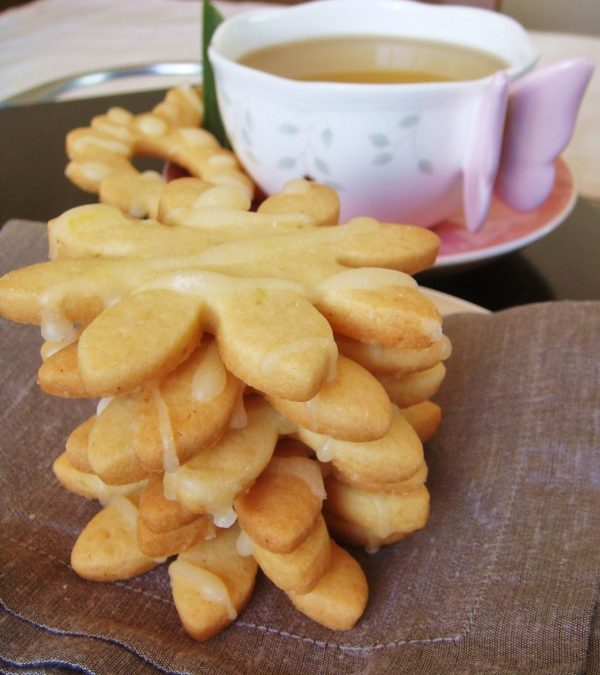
[(415, 153)]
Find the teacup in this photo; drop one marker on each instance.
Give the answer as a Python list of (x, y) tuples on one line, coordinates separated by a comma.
[(404, 152)]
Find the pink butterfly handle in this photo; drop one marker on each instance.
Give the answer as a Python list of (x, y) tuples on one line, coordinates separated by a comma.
[(482, 155), (542, 109)]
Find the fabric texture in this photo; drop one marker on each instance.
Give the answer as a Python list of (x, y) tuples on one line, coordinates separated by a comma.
[(504, 579)]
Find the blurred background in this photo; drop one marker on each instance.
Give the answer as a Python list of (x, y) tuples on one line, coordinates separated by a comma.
[(581, 16)]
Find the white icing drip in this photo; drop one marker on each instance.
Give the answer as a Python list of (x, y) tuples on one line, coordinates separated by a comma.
[(95, 171), (205, 492), (297, 186), (170, 458), (57, 328), (222, 160), (312, 408), (243, 544), (208, 284), (169, 488), (151, 125), (210, 378), (104, 492), (239, 416), (50, 347), (112, 300), (116, 130), (326, 451), (206, 583), (127, 510), (119, 115), (384, 526), (365, 279), (102, 404), (232, 177), (300, 467), (223, 196), (372, 544), (224, 517), (285, 427), (110, 144), (432, 329), (199, 137), (272, 362), (151, 176), (138, 206), (333, 359)]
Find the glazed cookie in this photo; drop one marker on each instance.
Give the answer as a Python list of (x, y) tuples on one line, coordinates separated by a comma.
[(425, 418), (394, 361), (340, 596), (353, 406), (393, 458), (106, 549), (87, 484), (211, 584), (211, 479), (281, 508), (101, 155), (412, 388), (300, 569), (384, 514), (217, 215), (159, 513)]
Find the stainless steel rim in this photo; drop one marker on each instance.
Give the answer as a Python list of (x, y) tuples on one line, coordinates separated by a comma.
[(52, 91)]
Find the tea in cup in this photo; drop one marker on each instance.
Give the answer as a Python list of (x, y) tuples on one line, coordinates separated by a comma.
[(399, 106)]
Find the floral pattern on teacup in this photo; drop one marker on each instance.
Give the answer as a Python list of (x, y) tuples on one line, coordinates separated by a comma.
[(310, 158), (388, 144)]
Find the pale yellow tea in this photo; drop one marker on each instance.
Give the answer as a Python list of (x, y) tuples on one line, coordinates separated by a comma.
[(373, 60)]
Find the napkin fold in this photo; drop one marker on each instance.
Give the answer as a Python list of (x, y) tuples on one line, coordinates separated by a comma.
[(503, 579)]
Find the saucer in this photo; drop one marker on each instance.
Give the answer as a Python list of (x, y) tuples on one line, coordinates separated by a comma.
[(450, 304), (506, 229)]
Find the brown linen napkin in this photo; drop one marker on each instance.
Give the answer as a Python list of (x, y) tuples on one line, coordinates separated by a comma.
[(504, 578)]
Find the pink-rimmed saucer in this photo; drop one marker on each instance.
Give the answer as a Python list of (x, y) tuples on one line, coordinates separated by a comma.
[(506, 229)]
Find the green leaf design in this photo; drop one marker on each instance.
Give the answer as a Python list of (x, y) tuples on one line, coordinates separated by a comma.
[(383, 158), (321, 165), (379, 140), (246, 136), (289, 129), (286, 163), (327, 137), (425, 166), (409, 121), (211, 18)]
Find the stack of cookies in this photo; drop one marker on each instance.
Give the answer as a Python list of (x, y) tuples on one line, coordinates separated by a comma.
[(264, 377)]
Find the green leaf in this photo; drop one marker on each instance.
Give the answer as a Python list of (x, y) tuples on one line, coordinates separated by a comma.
[(425, 166), (286, 163), (289, 129), (383, 158), (327, 137), (211, 18), (379, 140), (251, 156), (321, 165), (409, 121)]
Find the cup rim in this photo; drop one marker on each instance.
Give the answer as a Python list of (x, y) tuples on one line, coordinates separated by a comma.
[(219, 57)]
